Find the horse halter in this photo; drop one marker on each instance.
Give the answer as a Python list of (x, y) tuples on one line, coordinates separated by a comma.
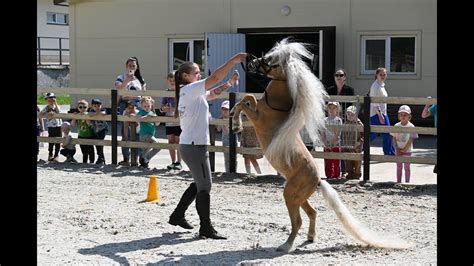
[(261, 67), (255, 65)]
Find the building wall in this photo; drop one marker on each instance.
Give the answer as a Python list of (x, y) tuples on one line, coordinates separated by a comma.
[(49, 30), (105, 33)]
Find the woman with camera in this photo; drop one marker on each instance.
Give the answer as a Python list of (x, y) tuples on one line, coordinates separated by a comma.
[(131, 80)]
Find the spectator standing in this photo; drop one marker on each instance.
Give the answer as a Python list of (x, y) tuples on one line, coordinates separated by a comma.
[(69, 149), (378, 111), (39, 130), (173, 130), (428, 111), (192, 94), (249, 140), (147, 130), (100, 128), (53, 124), (352, 141), (130, 111), (332, 140), (340, 87), (132, 80), (84, 131), (403, 142), (225, 106)]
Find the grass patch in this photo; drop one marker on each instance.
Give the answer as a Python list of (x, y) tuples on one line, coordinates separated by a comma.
[(60, 99)]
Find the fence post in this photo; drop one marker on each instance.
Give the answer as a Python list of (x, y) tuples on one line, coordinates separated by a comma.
[(39, 50), (113, 112), (212, 155), (366, 138), (60, 53), (232, 139)]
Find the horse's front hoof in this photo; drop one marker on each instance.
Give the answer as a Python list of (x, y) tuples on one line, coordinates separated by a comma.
[(286, 248)]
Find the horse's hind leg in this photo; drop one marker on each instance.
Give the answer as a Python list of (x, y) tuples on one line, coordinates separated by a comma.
[(311, 212), (293, 205)]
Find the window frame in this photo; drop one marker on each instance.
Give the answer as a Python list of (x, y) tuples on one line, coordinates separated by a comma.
[(190, 41), (387, 36), (55, 22)]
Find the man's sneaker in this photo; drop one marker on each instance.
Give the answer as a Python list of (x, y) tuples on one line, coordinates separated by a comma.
[(170, 166), (177, 166), (100, 161), (124, 163), (50, 158), (134, 164)]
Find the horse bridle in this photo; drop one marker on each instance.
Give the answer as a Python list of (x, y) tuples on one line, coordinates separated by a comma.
[(254, 67)]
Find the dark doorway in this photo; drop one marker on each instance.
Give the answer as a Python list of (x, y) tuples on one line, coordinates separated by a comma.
[(260, 41)]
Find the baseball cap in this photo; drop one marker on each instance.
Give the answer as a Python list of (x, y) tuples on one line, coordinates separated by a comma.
[(66, 125), (96, 101), (352, 109), (225, 104), (49, 95), (404, 109), (333, 103)]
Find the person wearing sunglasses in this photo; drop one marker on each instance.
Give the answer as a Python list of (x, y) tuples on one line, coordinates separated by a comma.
[(84, 131), (341, 88), (378, 111)]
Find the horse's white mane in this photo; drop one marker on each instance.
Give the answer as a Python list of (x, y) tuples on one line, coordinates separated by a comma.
[(308, 95)]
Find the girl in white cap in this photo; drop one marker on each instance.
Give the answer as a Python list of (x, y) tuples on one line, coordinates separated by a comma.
[(403, 142)]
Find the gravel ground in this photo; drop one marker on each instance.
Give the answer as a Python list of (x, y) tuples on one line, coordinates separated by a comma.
[(90, 214)]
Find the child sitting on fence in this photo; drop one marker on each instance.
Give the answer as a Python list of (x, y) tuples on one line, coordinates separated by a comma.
[(84, 131), (332, 140), (403, 142), (69, 149), (352, 140)]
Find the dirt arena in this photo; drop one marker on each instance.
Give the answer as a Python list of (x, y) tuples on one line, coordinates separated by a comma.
[(90, 214)]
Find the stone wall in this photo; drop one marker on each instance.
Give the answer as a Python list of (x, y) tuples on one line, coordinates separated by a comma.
[(52, 76)]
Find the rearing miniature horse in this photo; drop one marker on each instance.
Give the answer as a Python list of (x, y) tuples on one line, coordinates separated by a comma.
[(295, 98)]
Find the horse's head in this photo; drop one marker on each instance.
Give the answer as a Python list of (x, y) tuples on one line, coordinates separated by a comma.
[(265, 66)]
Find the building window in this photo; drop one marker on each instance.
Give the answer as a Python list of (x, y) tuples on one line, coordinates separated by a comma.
[(396, 53), (57, 18), (182, 50)]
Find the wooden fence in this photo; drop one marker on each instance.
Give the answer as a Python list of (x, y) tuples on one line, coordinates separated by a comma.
[(364, 101)]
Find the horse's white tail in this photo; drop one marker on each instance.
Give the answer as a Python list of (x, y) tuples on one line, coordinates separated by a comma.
[(353, 227)]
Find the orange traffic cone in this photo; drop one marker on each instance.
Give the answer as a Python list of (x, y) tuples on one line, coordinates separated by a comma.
[(152, 195)]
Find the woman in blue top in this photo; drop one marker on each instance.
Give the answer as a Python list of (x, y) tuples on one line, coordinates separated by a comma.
[(192, 94)]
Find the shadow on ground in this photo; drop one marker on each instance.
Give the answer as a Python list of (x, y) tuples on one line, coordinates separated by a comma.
[(232, 257)]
